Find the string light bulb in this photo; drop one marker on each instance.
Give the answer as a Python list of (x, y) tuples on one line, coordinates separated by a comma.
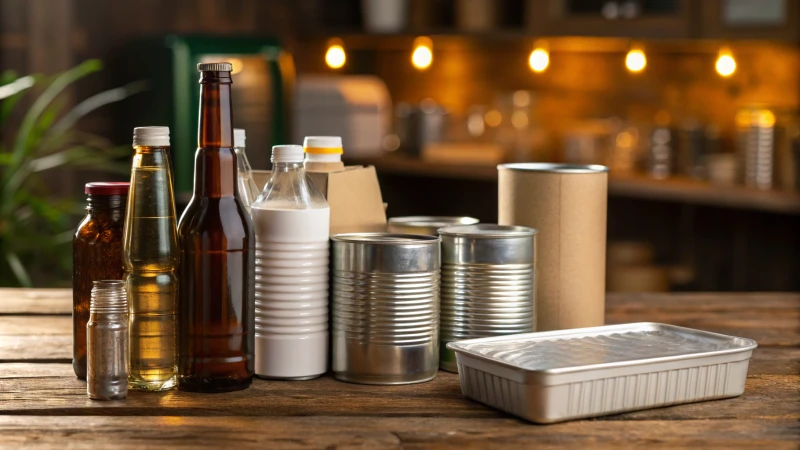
[(335, 57), (725, 65), (422, 55), (635, 60), (540, 58)]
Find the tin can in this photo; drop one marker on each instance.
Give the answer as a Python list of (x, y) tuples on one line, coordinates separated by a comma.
[(385, 307), (487, 284), (427, 225)]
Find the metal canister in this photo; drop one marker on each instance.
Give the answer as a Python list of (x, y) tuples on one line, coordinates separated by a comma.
[(487, 284), (427, 225), (385, 307), (756, 136), (107, 349)]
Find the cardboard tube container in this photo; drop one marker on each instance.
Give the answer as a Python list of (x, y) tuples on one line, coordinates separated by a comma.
[(567, 204)]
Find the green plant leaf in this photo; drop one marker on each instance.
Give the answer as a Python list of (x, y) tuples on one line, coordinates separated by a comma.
[(96, 101), (61, 82), (18, 269), (8, 103)]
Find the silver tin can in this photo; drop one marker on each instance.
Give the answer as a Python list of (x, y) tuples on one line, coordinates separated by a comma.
[(385, 307), (487, 284), (107, 349), (427, 225)]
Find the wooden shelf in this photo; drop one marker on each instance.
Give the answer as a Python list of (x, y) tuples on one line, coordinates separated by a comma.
[(681, 190)]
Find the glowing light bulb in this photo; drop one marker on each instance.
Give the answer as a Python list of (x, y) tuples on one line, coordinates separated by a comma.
[(422, 56), (335, 57), (725, 65), (493, 118), (236, 65), (635, 60), (766, 118), (539, 59)]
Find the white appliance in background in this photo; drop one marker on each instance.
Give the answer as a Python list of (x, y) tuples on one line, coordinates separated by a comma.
[(356, 107)]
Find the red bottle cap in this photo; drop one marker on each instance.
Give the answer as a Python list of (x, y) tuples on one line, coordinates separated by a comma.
[(107, 188)]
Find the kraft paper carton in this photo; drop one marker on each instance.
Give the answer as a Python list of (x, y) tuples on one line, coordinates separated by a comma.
[(568, 207), (353, 194)]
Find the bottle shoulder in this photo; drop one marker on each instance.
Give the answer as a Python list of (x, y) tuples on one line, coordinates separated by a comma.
[(292, 189), (93, 228), (215, 218)]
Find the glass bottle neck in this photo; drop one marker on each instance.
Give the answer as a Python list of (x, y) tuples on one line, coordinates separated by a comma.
[(215, 162), (287, 166), (216, 120)]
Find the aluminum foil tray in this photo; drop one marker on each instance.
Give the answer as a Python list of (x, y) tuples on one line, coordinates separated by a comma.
[(562, 375)]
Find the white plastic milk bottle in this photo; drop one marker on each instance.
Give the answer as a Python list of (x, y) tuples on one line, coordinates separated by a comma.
[(291, 220)]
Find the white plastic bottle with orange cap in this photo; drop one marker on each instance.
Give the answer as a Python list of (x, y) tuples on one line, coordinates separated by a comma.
[(323, 153)]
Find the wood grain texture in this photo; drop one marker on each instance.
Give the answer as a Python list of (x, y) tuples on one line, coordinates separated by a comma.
[(36, 348), (391, 433), (35, 301), (40, 398), (765, 396)]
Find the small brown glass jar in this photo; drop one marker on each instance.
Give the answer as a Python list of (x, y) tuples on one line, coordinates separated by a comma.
[(96, 255)]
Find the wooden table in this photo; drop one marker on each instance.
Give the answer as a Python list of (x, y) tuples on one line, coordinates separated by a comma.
[(43, 404)]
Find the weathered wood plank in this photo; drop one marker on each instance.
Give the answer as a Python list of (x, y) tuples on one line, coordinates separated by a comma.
[(34, 370), (35, 301), (36, 348), (35, 326), (765, 396), (50, 347), (391, 433)]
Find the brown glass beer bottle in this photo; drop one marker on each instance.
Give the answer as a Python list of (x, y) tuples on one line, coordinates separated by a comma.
[(217, 245)]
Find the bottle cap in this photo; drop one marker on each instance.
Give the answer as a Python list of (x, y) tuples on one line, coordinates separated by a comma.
[(238, 137), (107, 188), (151, 136), (287, 153), (320, 145), (215, 67)]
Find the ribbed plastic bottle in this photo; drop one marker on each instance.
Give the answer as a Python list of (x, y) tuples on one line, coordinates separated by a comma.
[(150, 257), (291, 220)]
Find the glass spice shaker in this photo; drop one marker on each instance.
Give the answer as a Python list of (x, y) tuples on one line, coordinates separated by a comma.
[(96, 255), (107, 348)]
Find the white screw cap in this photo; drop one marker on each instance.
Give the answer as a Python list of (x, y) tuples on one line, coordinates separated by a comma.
[(238, 137), (312, 142), (151, 136), (287, 153)]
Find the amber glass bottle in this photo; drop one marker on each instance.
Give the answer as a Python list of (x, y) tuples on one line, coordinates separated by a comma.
[(96, 255), (217, 245)]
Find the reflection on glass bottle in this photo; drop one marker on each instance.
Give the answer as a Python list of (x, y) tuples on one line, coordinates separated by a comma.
[(248, 190), (217, 269), (150, 256)]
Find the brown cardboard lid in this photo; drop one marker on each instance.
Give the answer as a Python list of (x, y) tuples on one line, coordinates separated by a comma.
[(555, 167)]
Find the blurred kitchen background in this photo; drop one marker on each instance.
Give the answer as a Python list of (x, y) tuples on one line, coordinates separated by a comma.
[(692, 104)]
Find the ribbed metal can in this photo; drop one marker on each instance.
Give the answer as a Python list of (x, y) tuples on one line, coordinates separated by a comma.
[(385, 307), (487, 284)]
